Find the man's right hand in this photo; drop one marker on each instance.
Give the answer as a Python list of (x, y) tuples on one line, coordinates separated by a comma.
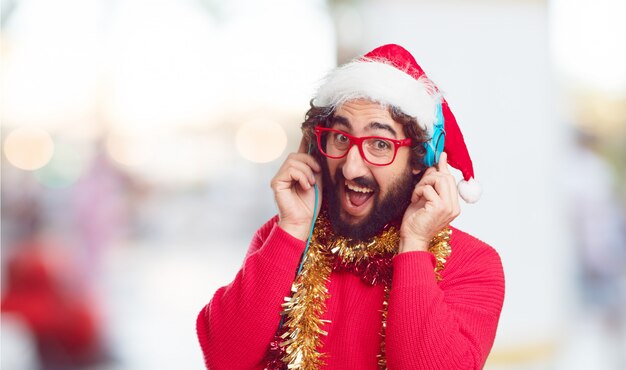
[(294, 192)]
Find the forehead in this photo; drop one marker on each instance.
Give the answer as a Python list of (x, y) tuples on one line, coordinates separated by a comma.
[(362, 114), (363, 109)]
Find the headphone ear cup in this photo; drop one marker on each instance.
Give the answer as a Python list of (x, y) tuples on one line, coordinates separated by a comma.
[(434, 146), (439, 145), (429, 157)]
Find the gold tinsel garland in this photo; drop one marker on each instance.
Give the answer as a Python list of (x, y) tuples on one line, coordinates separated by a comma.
[(440, 247), (303, 311), (382, 358), (300, 336)]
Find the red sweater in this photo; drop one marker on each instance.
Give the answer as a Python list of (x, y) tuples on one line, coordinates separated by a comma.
[(449, 324)]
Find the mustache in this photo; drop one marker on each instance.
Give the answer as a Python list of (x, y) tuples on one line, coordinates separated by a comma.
[(365, 182), (361, 181)]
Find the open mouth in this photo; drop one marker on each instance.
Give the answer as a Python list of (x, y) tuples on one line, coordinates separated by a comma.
[(357, 197)]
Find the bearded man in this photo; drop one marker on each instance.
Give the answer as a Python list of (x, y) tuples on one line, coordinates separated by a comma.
[(360, 268)]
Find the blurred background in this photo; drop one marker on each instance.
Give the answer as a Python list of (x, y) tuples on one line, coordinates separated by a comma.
[(139, 139)]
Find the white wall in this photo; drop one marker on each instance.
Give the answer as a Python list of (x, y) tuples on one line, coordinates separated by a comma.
[(492, 61)]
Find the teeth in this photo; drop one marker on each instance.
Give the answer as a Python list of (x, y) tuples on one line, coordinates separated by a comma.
[(358, 189)]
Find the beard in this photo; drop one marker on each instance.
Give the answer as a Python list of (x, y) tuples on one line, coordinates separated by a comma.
[(387, 208)]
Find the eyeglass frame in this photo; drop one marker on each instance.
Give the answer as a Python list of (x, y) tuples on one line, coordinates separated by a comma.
[(358, 141)]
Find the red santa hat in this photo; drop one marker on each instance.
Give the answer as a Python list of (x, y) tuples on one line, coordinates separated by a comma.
[(389, 75)]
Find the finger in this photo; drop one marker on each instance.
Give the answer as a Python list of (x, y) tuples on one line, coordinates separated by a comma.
[(455, 191), (443, 182), (440, 182), (442, 166), (446, 187), (304, 158), (309, 161), (312, 163), (447, 191), (306, 168), (285, 180), (429, 171), (427, 192), (455, 194), (301, 178)]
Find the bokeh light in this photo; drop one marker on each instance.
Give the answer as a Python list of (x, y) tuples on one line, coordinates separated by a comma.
[(28, 148), (66, 165), (261, 140), (129, 150)]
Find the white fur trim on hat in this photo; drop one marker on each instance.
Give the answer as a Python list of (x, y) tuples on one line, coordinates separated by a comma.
[(470, 190), (384, 84)]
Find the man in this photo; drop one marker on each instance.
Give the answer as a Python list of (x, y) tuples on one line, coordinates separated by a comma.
[(381, 280)]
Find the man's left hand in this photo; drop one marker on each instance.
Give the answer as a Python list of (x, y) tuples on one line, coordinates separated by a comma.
[(434, 204)]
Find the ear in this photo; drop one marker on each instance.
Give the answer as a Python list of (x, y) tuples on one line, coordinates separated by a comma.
[(415, 171)]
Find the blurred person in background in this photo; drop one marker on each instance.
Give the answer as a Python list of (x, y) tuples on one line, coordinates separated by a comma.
[(381, 279), (102, 203), (597, 220), (42, 291), (51, 259)]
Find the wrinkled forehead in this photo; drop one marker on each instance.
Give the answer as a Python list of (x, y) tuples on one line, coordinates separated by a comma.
[(360, 115)]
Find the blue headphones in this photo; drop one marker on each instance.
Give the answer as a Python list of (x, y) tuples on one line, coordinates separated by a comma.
[(434, 146)]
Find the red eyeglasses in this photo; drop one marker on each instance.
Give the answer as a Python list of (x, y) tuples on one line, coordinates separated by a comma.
[(376, 150)]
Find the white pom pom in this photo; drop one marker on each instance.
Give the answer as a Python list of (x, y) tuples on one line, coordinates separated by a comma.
[(470, 190)]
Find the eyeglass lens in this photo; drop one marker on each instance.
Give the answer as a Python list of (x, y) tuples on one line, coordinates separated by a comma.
[(376, 150)]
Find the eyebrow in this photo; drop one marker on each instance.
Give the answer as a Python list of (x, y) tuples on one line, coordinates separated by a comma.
[(340, 121), (343, 121), (383, 126)]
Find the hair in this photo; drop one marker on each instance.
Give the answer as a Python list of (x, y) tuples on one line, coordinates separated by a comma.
[(322, 116)]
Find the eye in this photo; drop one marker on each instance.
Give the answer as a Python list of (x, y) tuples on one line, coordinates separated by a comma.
[(341, 138), (382, 145)]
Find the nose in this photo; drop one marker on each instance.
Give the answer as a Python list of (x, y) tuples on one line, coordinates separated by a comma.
[(355, 164)]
